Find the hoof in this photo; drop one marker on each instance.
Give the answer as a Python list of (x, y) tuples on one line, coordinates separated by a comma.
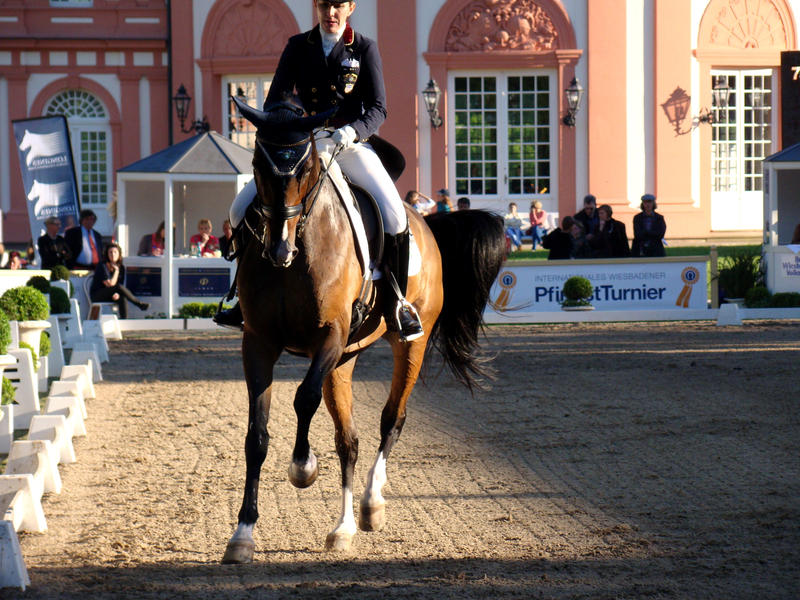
[(303, 475), (239, 552), (338, 542), (372, 518)]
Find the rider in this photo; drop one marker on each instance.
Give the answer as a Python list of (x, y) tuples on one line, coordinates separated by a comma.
[(332, 66)]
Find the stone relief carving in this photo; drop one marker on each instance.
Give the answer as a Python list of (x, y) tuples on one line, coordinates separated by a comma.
[(250, 29), (486, 25), (746, 24)]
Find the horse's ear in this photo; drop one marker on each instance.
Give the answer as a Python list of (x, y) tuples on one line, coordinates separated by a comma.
[(255, 116)]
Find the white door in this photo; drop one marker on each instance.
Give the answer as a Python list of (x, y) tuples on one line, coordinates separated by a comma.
[(742, 135), (504, 136)]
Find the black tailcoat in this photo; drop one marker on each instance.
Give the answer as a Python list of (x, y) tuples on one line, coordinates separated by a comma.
[(321, 83)]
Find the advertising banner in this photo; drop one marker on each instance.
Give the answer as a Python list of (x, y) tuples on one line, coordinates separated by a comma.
[(48, 174), (210, 282), (617, 286)]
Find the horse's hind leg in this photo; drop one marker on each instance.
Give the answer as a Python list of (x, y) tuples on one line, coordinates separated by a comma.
[(338, 393), (258, 363), (407, 363)]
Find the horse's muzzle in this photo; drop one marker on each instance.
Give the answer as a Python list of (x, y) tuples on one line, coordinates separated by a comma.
[(282, 253)]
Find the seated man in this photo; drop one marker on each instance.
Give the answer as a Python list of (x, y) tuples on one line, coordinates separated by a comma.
[(333, 52)]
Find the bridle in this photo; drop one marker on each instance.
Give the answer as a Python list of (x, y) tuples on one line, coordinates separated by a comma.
[(286, 160)]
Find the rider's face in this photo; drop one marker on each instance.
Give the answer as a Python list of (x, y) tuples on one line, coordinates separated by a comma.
[(333, 17)]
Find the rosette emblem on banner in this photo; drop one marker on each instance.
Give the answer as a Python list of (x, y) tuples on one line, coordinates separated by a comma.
[(48, 173)]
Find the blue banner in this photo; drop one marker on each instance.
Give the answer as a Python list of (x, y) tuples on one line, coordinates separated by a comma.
[(211, 282), (48, 174)]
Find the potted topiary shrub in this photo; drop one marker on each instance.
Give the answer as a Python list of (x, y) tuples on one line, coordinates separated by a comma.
[(577, 293), (29, 308), (738, 274), (59, 301), (61, 273)]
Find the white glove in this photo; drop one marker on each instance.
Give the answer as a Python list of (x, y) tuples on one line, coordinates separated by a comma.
[(345, 136)]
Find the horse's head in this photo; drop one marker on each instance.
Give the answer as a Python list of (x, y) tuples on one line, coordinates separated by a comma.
[(284, 175), (25, 144)]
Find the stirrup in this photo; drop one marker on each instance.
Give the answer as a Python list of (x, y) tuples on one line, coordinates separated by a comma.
[(411, 329), (230, 318)]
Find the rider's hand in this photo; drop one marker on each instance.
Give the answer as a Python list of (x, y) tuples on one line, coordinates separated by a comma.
[(344, 136)]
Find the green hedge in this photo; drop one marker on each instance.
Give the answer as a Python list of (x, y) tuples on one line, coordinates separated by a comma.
[(195, 310), (5, 333), (44, 344), (8, 393), (34, 355), (759, 297)]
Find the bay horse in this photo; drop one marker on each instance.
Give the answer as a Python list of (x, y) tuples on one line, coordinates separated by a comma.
[(297, 285)]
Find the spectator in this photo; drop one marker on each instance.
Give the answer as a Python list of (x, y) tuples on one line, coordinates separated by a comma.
[(203, 243), (53, 248), (421, 203), (588, 217), (14, 261), (649, 228), (559, 241), (227, 236), (3, 255), (443, 203), (152, 244), (513, 224), (84, 242), (108, 284), (538, 218), (610, 241), (796, 235), (463, 203), (30, 255), (580, 247)]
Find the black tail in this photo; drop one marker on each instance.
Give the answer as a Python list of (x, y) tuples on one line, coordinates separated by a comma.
[(473, 248)]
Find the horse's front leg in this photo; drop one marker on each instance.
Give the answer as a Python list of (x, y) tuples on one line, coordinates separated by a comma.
[(258, 360), (303, 469), (338, 393)]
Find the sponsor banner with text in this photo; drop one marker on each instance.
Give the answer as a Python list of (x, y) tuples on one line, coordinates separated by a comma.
[(48, 174), (617, 285)]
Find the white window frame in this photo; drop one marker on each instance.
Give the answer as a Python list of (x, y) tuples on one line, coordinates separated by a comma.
[(257, 102), (499, 202), (739, 209)]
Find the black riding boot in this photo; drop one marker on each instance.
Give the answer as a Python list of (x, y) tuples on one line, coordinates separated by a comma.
[(231, 317), (399, 313)]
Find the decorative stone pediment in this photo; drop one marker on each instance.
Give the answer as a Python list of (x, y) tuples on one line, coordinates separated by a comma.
[(251, 28), (487, 25), (746, 24)]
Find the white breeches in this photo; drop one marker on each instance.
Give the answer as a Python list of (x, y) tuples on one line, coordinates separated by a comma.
[(363, 167)]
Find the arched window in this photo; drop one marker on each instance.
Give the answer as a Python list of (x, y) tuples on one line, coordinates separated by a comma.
[(90, 135)]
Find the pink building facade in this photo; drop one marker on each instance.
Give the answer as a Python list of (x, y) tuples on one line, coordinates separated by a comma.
[(112, 67)]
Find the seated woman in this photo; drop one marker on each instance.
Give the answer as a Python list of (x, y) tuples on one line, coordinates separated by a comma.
[(152, 244), (108, 283), (538, 218), (14, 261), (205, 243)]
